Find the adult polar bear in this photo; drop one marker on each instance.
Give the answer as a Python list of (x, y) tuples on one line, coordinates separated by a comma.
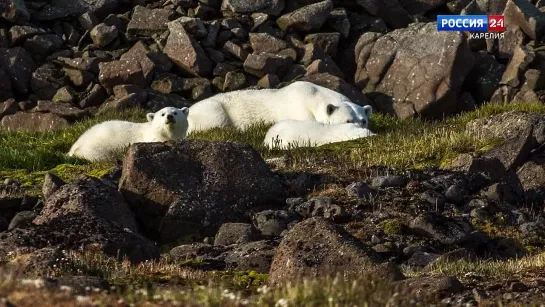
[(294, 133), (300, 100), (102, 141)]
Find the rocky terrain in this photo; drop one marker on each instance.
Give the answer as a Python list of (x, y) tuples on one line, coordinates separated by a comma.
[(225, 223)]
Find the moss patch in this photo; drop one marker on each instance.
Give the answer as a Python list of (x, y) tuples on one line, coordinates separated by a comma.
[(393, 227)]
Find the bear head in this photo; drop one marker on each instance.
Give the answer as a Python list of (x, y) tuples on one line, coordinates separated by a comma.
[(336, 113), (363, 113), (170, 121)]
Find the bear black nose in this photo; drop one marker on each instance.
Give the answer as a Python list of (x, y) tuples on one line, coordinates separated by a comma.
[(170, 117)]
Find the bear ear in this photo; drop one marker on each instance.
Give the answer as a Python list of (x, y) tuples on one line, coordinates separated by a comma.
[(150, 116), (331, 108), (368, 110), (185, 110)]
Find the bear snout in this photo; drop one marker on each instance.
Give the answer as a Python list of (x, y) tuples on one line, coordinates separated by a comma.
[(170, 118)]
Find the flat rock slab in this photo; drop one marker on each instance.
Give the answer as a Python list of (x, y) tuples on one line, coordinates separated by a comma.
[(33, 122)]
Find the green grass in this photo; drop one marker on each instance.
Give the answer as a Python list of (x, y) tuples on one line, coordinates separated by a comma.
[(44, 151), (409, 143)]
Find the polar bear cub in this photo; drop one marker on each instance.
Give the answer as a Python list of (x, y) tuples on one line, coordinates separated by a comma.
[(293, 133), (299, 100), (103, 140)]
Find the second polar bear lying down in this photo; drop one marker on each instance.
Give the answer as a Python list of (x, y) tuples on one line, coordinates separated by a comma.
[(298, 101), (294, 133), (103, 141)]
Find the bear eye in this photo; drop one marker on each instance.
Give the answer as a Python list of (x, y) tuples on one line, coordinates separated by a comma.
[(175, 113), (163, 114), (348, 121)]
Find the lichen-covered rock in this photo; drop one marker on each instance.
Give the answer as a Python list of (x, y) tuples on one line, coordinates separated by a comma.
[(88, 195), (415, 70), (178, 189), (317, 247)]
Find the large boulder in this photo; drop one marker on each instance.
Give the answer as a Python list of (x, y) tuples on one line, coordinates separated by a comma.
[(508, 125), (319, 248), (82, 232), (415, 70), (182, 188), (88, 195)]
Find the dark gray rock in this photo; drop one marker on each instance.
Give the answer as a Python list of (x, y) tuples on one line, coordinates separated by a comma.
[(18, 64), (102, 34), (47, 80), (40, 46), (58, 9), (320, 206), (360, 189), (513, 152), (255, 256), (328, 42), (14, 11), (22, 220), (146, 22), (62, 109), (317, 247), (421, 259), (485, 76), (262, 64), (306, 19), (264, 42), (390, 11), (234, 233), (532, 178), (91, 196), (197, 251), (392, 181), (443, 229), (198, 185), (271, 223), (52, 183), (270, 7)]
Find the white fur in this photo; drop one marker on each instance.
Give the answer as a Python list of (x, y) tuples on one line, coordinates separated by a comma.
[(298, 101), (293, 133), (363, 113), (103, 140)]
